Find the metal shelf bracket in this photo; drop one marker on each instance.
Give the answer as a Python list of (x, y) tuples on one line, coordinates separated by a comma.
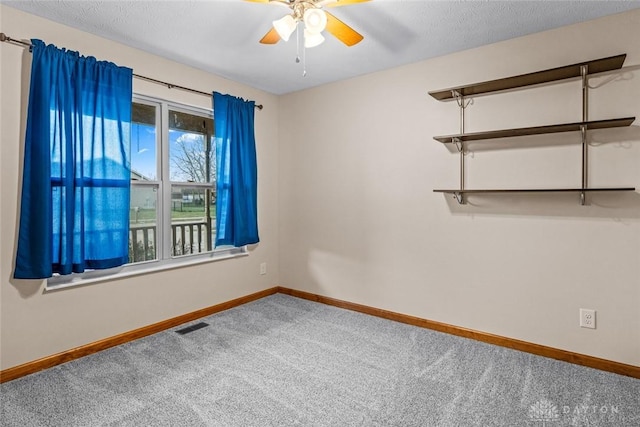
[(458, 143), (460, 99), (459, 197)]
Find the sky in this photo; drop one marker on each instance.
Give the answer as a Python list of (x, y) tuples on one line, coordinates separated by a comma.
[(143, 149)]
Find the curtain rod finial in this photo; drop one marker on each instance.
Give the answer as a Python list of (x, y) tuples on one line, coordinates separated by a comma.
[(3, 37)]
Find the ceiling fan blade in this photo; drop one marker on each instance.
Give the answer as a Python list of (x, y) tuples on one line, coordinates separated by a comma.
[(336, 3), (272, 37), (342, 31)]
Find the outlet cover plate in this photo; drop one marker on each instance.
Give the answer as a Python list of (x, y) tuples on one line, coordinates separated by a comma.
[(587, 318)]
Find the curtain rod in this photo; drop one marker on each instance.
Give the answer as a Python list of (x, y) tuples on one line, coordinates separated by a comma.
[(5, 38)]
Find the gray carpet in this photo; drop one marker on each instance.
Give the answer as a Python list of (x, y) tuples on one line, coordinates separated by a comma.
[(283, 361)]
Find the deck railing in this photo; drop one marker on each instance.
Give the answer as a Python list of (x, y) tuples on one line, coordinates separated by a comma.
[(142, 242), (190, 238), (187, 237)]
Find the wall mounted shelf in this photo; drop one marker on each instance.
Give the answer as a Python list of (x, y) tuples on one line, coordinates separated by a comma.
[(582, 69), (536, 130), (539, 77), (460, 193)]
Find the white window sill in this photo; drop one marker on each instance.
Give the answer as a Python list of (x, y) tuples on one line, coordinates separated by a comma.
[(95, 276)]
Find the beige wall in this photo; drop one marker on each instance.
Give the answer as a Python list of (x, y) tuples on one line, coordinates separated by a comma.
[(359, 220), (35, 323), (353, 165)]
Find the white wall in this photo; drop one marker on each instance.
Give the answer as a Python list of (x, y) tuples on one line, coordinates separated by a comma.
[(359, 220), (35, 323)]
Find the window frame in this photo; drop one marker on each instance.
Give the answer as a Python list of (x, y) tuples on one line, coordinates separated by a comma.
[(164, 260)]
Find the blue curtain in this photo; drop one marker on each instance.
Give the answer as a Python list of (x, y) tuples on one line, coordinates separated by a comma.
[(76, 178), (237, 177)]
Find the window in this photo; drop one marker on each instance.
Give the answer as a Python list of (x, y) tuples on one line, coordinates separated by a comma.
[(172, 178), (145, 184), (192, 175), (173, 190)]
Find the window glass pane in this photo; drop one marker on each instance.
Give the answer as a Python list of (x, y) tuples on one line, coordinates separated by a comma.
[(143, 224), (193, 212), (143, 143), (191, 154)]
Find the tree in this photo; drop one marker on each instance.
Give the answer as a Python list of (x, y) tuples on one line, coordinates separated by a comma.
[(192, 160)]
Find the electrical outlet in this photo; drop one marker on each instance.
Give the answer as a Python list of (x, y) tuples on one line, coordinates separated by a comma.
[(263, 268), (587, 318)]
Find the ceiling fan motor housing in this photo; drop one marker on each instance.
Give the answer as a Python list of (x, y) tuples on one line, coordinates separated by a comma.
[(315, 19)]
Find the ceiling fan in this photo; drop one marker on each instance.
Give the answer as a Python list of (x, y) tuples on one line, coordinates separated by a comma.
[(315, 19)]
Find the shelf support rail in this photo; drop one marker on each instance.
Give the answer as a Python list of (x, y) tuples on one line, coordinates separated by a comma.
[(584, 71), (459, 97)]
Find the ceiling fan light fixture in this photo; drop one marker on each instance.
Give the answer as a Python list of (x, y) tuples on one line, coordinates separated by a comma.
[(315, 20), (312, 39), (285, 27)]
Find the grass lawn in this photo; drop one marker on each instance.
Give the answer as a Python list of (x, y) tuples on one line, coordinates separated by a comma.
[(187, 212)]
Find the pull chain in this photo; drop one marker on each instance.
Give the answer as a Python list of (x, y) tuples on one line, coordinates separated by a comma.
[(297, 44), (304, 53), (304, 62)]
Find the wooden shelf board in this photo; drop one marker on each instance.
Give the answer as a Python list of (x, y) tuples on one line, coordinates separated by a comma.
[(536, 130), (538, 77), (537, 190)]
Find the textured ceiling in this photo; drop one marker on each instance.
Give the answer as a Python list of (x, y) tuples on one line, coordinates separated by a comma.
[(222, 36)]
